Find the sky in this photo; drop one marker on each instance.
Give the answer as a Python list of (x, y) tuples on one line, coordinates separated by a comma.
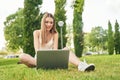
[(96, 13)]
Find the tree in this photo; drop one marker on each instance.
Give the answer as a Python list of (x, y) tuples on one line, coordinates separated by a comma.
[(13, 31), (110, 39), (117, 38), (97, 39), (77, 27), (60, 16), (31, 22)]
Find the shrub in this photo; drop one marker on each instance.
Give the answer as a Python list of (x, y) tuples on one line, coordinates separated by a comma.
[(3, 53)]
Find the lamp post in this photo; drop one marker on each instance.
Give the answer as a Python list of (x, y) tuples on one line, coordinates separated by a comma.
[(61, 23)]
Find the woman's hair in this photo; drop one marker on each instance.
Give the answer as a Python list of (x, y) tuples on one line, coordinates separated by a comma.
[(43, 27)]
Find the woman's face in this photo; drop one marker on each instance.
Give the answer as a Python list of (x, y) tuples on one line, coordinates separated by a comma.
[(49, 23)]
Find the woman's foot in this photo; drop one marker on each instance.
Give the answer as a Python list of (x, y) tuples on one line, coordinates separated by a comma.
[(83, 66)]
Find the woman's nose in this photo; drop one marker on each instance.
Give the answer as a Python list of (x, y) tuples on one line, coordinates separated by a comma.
[(49, 24)]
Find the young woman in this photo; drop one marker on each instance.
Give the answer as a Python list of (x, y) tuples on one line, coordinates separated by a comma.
[(47, 38)]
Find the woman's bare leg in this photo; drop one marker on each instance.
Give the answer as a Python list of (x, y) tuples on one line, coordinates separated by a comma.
[(82, 66), (73, 58), (27, 60)]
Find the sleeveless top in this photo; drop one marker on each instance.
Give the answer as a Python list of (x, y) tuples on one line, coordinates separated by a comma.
[(47, 46)]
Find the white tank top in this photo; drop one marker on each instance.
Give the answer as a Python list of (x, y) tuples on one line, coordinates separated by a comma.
[(48, 45)]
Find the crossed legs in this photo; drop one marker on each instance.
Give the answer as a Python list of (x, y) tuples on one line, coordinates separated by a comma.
[(31, 61), (27, 60)]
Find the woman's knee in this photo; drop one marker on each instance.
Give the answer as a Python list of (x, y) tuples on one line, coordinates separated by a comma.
[(23, 56)]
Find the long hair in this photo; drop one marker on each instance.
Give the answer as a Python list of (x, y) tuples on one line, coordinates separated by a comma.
[(43, 27)]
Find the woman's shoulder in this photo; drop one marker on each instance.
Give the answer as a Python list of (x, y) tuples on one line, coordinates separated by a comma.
[(36, 32), (56, 34)]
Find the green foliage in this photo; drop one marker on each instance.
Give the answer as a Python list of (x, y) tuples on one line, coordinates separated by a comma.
[(78, 34), (78, 6), (13, 31), (60, 16), (110, 39), (31, 23), (97, 38), (69, 36), (117, 38), (77, 27)]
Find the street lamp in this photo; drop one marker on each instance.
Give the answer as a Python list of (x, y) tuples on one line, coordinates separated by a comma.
[(61, 23)]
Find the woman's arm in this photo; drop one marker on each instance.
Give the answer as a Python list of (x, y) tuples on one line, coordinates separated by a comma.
[(36, 34), (55, 41)]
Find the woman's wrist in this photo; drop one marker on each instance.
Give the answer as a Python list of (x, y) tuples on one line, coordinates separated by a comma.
[(36, 50)]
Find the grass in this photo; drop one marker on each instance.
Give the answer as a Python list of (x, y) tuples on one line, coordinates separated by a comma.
[(107, 68)]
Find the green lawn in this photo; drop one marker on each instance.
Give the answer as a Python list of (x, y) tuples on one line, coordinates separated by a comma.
[(107, 68)]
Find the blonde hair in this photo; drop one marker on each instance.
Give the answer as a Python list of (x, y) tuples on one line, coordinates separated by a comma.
[(43, 27)]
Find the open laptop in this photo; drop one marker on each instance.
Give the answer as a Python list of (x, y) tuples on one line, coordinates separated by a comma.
[(52, 59)]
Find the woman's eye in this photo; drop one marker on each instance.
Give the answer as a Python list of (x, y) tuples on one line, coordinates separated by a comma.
[(51, 22), (48, 22)]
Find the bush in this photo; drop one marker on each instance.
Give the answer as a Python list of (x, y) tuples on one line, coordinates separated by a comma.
[(3, 53)]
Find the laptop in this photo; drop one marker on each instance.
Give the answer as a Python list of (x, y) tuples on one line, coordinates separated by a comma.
[(52, 59)]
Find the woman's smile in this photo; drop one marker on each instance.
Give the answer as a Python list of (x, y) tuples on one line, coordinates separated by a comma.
[(49, 23)]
